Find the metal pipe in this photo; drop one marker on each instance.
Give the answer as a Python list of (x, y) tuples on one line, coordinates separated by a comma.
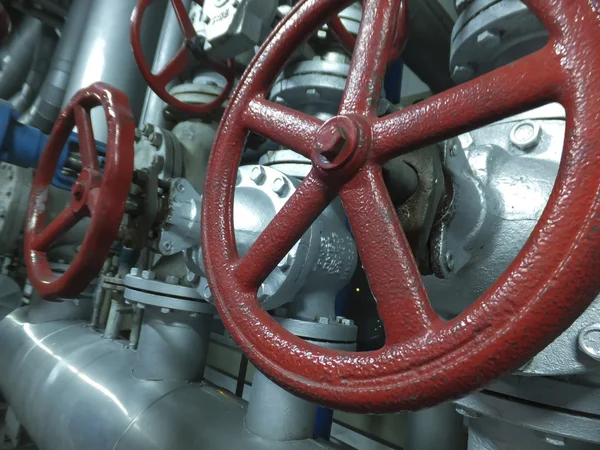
[(171, 38), (105, 54), (17, 60), (42, 56), (117, 312), (173, 345), (275, 414), (73, 390), (47, 105), (435, 428)]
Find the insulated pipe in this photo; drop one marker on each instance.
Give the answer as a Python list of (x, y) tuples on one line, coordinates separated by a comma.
[(42, 56), (17, 60), (169, 42), (73, 390), (172, 346), (275, 414), (47, 105), (105, 54), (436, 428)]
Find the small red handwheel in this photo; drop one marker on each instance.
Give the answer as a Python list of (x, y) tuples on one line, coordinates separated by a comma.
[(425, 360), (98, 195), (179, 63)]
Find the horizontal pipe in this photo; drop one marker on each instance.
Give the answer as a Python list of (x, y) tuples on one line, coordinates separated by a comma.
[(73, 390)]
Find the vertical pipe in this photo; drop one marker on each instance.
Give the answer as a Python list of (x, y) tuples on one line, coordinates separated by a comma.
[(436, 428), (171, 38), (173, 345), (105, 54), (136, 328), (275, 414), (46, 107), (17, 60)]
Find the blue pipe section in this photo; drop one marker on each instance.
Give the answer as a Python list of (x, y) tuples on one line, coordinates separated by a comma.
[(22, 145)]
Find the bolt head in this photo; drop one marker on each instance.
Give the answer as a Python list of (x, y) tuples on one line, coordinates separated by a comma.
[(449, 261), (165, 310), (261, 294), (323, 320), (192, 277), (147, 129), (148, 275), (180, 187), (343, 321), (280, 186), (170, 279), (460, 74), (138, 135), (167, 246), (331, 143), (313, 94), (489, 38), (135, 271), (526, 134), (285, 263), (206, 293), (589, 341), (258, 174)]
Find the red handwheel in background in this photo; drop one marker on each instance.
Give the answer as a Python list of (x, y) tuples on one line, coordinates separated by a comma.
[(425, 360), (179, 63), (98, 195)]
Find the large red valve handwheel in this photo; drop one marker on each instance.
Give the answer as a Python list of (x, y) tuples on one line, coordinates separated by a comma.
[(348, 40), (98, 195), (179, 63), (425, 360)]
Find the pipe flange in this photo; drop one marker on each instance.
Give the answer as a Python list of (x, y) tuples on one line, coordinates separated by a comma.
[(167, 304), (146, 282), (288, 162), (330, 329)]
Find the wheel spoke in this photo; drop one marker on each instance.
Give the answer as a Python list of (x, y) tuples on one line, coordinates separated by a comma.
[(525, 84), (288, 127), (183, 18), (386, 256), (376, 37), (87, 144), (286, 228), (66, 220), (175, 67)]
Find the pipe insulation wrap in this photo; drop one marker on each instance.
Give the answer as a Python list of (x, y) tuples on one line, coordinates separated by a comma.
[(71, 389)]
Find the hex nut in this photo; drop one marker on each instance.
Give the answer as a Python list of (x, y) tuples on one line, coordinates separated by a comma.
[(261, 294), (323, 320), (526, 134), (589, 341), (258, 174), (148, 275), (165, 310), (460, 74), (207, 294), (280, 186), (285, 263), (135, 271), (488, 38), (170, 279)]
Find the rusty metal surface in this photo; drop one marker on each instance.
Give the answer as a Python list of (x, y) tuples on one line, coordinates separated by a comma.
[(425, 360), (96, 194), (182, 60)]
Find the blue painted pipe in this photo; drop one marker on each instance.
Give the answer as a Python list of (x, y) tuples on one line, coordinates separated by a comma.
[(23, 145)]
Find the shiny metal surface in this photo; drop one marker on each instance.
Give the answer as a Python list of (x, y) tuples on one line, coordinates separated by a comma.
[(42, 57), (173, 345), (440, 427), (18, 56), (275, 414), (168, 43), (106, 56), (73, 390), (47, 105), (513, 188)]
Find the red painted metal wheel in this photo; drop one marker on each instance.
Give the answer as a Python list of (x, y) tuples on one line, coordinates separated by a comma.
[(426, 360), (179, 63), (98, 195)]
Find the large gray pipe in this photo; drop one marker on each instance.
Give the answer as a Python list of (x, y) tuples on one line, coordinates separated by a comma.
[(17, 60), (46, 107), (73, 390), (436, 428), (105, 53), (42, 56), (171, 38)]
